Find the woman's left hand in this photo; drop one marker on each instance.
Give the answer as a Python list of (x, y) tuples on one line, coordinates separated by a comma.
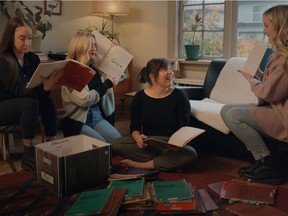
[(114, 80), (49, 82), (247, 76), (115, 42), (174, 148)]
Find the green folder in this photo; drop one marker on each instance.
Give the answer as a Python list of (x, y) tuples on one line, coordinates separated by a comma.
[(90, 203), (135, 187), (167, 191)]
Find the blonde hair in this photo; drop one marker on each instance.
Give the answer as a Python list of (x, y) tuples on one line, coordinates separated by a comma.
[(79, 47), (278, 15)]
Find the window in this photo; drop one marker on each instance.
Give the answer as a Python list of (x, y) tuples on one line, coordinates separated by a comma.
[(211, 33), (229, 27)]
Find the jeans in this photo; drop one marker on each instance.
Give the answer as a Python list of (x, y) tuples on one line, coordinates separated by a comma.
[(243, 125), (96, 126)]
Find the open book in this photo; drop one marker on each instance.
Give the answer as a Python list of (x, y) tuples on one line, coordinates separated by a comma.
[(255, 57), (180, 138), (76, 75), (113, 60)]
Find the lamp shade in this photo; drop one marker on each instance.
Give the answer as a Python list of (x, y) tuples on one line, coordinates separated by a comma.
[(107, 8)]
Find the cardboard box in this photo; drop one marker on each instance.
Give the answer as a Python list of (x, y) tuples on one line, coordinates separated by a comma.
[(72, 164)]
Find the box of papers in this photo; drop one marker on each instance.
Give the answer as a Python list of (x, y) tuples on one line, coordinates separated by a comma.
[(72, 164)]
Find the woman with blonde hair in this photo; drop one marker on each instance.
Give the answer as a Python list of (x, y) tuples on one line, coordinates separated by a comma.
[(252, 124), (91, 111)]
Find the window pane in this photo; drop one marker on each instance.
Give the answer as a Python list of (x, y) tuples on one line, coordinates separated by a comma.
[(214, 17), (210, 35), (214, 1), (213, 44), (250, 26)]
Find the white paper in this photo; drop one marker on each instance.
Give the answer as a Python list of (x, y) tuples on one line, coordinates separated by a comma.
[(184, 135), (255, 57), (113, 60)]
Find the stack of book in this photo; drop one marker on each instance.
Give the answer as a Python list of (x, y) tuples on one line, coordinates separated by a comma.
[(134, 173), (176, 197), (137, 195), (100, 202)]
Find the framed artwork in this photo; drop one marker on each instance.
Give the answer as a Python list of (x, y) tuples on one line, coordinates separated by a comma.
[(54, 6)]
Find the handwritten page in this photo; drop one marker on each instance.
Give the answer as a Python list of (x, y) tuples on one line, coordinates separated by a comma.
[(113, 60)]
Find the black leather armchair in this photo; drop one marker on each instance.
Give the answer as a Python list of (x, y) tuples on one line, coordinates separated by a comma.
[(214, 141)]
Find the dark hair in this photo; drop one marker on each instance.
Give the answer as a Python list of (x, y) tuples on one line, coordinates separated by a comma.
[(153, 66), (8, 35), (10, 66)]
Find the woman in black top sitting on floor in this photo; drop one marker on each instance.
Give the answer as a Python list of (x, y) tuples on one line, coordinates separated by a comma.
[(157, 110)]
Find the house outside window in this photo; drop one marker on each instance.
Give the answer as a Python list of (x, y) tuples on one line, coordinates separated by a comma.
[(229, 28)]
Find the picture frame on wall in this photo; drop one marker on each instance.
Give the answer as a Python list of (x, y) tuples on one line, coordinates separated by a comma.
[(55, 6)]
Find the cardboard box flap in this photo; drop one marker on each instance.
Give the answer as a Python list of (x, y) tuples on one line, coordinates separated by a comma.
[(71, 145)]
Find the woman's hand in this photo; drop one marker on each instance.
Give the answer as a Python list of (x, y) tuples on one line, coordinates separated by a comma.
[(139, 139), (114, 80), (115, 42), (247, 76), (174, 148), (49, 82)]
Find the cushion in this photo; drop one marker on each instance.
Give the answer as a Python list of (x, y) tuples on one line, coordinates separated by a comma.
[(208, 111), (231, 86)]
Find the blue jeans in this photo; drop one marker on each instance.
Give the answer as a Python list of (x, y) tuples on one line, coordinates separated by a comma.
[(96, 126), (243, 125)]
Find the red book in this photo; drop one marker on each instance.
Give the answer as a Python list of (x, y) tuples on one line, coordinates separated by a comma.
[(76, 75)]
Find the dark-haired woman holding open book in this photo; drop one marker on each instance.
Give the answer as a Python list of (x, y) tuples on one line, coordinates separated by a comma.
[(270, 118), (158, 111), (18, 104)]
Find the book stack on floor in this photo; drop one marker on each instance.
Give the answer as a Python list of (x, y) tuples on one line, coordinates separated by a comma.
[(134, 173), (248, 198), (137, 195), (100, 202), (177, 197)]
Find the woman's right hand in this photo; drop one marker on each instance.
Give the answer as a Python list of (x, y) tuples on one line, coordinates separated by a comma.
[(50, 82), (139, 139)]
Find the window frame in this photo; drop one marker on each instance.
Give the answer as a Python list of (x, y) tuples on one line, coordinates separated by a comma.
[(229, 32)]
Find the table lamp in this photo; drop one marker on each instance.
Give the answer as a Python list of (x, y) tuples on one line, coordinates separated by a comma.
[(111, 9)]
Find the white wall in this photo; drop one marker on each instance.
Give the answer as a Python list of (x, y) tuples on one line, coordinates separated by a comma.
[(145, 32)]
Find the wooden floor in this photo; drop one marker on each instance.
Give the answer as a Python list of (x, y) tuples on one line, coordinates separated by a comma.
[(229, 166)]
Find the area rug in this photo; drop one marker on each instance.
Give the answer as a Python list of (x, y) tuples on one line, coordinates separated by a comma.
[(20, 194)]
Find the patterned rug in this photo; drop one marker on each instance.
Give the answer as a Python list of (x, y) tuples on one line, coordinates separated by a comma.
[(20, 194)]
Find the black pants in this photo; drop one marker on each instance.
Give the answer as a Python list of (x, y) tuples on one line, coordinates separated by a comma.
[(27, 111)]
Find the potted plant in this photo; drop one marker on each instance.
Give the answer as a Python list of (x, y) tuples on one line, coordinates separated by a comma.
[(104, 30), (33, 17), (192, 25)]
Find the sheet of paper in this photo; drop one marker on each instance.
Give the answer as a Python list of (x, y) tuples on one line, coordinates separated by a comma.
[(113, 60), (255, 57)]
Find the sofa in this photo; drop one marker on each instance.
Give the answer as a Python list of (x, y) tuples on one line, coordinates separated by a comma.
[(214, 141)]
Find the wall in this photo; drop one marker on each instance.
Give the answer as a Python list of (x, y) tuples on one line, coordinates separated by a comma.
[(147, 32)]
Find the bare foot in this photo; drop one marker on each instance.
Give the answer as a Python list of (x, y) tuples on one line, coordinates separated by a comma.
[(135, 164)]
